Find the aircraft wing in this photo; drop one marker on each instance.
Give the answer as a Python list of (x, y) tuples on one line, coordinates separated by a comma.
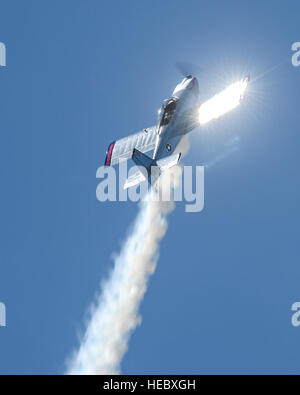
[(122, 149)]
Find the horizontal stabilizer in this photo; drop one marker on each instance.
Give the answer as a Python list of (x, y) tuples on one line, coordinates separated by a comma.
[(147, 167), (168, 161), (136, 178)]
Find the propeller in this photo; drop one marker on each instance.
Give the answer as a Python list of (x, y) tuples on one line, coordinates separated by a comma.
[(186, 68)]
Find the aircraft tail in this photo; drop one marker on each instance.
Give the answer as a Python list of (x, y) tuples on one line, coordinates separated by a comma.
[(141, 159), (149, 169)]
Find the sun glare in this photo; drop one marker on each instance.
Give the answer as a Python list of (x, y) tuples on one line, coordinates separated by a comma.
[(223, 102)]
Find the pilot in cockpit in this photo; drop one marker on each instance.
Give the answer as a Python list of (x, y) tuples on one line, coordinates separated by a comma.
[(167, 110)]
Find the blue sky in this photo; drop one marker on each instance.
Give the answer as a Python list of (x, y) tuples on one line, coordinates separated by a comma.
[(80, 74)]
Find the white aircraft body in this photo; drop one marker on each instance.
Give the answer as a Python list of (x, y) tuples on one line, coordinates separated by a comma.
[(177, 116)]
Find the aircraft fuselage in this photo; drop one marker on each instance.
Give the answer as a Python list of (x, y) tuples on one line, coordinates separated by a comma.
[(176, 117)]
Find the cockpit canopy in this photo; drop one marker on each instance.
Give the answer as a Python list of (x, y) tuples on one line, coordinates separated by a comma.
[(167, 110)]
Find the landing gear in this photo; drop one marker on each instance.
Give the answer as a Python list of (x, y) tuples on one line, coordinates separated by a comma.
[(168, 147)]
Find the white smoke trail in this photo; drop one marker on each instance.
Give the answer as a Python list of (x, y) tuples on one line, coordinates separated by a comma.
[(115, 314)]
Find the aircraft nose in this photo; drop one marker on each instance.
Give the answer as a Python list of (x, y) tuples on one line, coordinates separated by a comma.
[(194, 86)]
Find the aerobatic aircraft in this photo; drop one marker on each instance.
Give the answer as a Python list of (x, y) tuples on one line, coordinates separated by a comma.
[(177, 116)]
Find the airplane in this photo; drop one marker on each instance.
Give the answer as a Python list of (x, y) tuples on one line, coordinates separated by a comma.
[(177, 116)]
